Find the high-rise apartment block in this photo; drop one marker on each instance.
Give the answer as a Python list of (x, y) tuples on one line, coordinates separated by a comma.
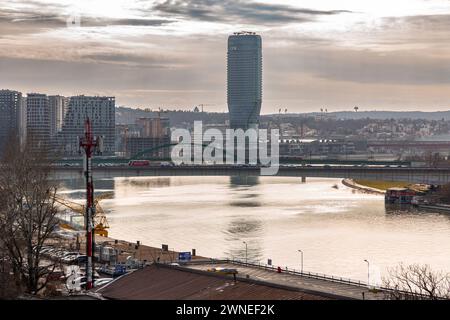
[(23, 121), (38, 120), (58, 108), (10, 115), (101, 112)]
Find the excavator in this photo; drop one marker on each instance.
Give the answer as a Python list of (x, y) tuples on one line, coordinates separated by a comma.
[(100, 222)]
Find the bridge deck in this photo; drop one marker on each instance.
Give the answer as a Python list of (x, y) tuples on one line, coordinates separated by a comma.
[(437, 176)]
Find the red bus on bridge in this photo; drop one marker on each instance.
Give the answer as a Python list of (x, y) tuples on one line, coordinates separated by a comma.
[(139, 163)]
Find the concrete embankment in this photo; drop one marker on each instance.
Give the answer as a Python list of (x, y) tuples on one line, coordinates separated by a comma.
[(352, 184), (426, 207), (434, 207)]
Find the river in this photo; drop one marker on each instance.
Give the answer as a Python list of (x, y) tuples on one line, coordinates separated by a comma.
[(335, 227)]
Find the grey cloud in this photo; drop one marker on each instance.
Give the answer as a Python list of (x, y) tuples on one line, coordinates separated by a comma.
[(132, 60), (397, 68), (140, 22), (420, 22), (15, 22), (21, 22), (238, 11), (68, 78)]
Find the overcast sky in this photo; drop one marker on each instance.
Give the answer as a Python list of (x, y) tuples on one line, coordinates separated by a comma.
[(376, 54)]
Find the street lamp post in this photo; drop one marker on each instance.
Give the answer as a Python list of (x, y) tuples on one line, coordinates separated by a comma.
[(301, 252), (245, 251), (368, 272)]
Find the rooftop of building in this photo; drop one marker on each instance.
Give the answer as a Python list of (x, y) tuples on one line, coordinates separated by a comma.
[(162, 282), (244, 33)]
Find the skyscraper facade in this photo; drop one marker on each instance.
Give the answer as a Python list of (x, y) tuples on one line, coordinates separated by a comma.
[(101, 112), (10, 114), (23, 121), (244, 79), (58, 108), (38, 120)]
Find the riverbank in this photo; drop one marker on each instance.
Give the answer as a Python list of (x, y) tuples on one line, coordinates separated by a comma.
[(365, 189), (443, 208)]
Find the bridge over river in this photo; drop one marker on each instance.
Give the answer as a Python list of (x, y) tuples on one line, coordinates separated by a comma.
[(437, 176)]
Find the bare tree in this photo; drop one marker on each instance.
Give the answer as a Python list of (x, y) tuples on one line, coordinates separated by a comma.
[(8, 286), (27, 214), (416, 282)]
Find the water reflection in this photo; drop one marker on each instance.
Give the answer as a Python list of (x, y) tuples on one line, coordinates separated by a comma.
[(243, 181), (248, 230), (74, 184), (396, 209), (407, 210), (75, 188), (243, 192), (145, 183)]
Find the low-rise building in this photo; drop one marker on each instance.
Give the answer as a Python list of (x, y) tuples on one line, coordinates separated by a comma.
[(162, 282)]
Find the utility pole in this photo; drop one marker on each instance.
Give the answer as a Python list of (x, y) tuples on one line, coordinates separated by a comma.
[(301, 252), (246, 261), (89, 144)]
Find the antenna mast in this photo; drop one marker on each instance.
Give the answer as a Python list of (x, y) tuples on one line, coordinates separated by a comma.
[(89, 143)]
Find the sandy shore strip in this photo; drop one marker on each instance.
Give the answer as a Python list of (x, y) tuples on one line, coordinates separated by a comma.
[(352, 184)]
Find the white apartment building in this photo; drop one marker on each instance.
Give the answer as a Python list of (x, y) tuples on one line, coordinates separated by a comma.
[(101, 112), (58, 107)]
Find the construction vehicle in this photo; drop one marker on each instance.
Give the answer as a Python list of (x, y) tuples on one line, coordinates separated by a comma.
[(100, 221)]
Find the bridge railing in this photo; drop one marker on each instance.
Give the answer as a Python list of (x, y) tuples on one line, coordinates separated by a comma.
[(308, 274)]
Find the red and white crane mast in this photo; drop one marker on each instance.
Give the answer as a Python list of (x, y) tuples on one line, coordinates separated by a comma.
[(90, 145)]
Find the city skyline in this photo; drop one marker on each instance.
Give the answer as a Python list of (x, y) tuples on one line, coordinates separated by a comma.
[(320, 54)]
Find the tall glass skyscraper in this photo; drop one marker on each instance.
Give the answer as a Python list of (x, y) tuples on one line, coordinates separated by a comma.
[(244, 73)]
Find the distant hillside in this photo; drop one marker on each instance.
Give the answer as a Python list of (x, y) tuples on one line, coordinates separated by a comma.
[(438, 115), (394, 115), (126, 115)]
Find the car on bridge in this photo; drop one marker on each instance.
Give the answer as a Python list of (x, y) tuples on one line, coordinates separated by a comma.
[(166, 164)]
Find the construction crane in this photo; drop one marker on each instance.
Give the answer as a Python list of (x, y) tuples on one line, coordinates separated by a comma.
[(205, 105), (100, 221)]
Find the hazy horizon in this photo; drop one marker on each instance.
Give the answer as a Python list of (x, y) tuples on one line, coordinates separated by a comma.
[(172, 53)]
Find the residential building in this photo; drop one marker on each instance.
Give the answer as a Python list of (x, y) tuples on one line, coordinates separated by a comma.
[(153, 127), (58, 108), (100, 111), (10, 116), (38, 120), (149, 134)]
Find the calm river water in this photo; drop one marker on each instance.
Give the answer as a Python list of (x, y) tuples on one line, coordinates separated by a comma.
[(335, 228)]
